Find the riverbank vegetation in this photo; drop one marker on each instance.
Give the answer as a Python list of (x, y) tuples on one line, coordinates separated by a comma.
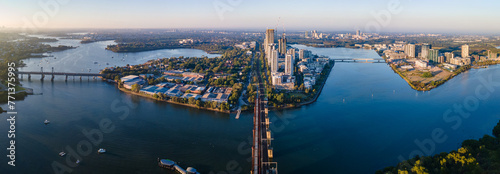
[(141, 46), (190, 102), (474, 156), (229, 70), (225, 71)]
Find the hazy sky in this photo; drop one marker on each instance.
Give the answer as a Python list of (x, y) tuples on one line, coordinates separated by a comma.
[(329, 15)]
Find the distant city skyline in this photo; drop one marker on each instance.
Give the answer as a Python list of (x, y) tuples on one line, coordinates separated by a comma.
[(383, 16)]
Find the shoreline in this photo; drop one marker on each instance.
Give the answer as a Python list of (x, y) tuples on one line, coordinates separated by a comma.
[(315, 98), (443, 81), (182, 104)]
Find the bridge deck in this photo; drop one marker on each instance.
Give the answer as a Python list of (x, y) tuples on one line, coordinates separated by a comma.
[(59, 73)]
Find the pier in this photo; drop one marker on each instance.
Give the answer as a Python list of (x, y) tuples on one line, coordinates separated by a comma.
[(53, 74)]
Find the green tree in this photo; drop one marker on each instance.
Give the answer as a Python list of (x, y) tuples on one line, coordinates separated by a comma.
[(427, 75), (135, 88), (281, 98), (496, 130), (191, 100)]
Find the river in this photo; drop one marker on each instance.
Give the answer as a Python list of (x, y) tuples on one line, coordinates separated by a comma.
[(365, 118)]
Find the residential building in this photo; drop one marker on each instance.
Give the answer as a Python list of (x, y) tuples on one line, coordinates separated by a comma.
[(291, 52), (268, 40), (304, 54), (410, 50), (425, 50), (289, 62), (433, 55), (420, 64), (282, 45), (465, 51), (448, 56), (274, 60)]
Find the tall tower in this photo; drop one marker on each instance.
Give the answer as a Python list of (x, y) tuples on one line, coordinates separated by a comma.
[(289, 64), (282, 45), (268, 40), (425, 50), (433, 55), (465, 51), (410, 50), (274, 60)]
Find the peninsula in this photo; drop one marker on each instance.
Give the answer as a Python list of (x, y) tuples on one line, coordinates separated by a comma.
[(292, 78)]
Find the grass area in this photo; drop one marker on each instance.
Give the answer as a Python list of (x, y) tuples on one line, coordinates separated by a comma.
[(424, 81), (298, 95)]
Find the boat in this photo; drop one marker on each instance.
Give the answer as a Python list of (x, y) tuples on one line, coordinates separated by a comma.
[(107, 63), (95, 62), (101, 150), (77, 162), (62, 154), (46, 121)]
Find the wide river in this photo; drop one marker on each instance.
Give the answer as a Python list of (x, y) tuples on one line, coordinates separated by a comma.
[(366, 118)]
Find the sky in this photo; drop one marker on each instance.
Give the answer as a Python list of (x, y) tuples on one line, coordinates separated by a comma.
[(440, 16)]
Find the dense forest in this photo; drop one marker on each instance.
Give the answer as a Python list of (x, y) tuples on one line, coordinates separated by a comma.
[(475, 156)]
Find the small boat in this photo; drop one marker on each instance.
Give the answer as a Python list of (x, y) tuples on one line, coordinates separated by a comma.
[(77, 162), (46, 121), (95, 62), (62, 154), (107, 63), (101, 150)]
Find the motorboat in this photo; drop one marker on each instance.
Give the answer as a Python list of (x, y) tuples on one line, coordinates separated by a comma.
[(101, 150)]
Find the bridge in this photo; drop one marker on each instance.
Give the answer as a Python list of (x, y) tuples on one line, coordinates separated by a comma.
[(262, 152), (53, 74), (360, 60)]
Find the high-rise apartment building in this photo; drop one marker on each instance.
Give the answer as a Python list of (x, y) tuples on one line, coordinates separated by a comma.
[(410, 50), (289, 64), (425, 51), (268, 40), (465, 51), (274, 60), (433, 55)]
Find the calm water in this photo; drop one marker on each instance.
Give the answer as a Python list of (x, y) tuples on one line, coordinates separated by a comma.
[(365, 118), (94, 57)]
